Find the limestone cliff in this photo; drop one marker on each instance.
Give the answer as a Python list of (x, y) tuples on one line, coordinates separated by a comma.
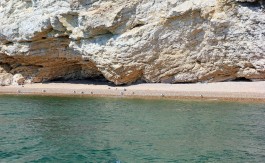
[(128, 40)]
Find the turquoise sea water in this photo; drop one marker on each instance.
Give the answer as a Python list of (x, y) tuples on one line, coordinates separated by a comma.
[(71, 129)]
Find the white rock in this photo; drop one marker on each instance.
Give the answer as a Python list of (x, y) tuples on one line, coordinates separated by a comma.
[(127, 40), (18, 79)]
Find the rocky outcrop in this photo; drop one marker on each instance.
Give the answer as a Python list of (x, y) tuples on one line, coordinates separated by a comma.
[(124, 41)]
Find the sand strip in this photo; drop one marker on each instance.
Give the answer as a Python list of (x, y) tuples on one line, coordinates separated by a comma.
[(223, 90)]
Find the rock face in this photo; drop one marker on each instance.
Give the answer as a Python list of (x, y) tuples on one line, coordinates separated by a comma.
[(124, 41)]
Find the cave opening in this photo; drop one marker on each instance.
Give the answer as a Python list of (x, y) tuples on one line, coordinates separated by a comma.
[(36, 69), (89, 80), (242, 79)]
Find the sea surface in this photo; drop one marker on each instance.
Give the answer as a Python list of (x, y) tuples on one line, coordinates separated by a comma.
[(117, 130)]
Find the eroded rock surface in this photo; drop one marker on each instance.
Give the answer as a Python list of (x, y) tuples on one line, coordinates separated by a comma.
[(128, 40)]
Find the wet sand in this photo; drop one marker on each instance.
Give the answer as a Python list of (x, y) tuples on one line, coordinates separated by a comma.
[(233, 91)]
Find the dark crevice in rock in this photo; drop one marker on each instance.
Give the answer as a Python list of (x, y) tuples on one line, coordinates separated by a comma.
[(242, 79), (99, 78), (99, 32), (7, 43), (38, 36), (257, 3), (188, 82), (198, 62), (4, 67), (138, 25)]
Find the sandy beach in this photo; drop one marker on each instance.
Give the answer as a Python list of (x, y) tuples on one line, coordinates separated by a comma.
[(253, 91)]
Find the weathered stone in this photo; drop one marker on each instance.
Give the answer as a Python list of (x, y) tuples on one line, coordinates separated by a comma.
[(128, 40), (18, 79), (5, 79)]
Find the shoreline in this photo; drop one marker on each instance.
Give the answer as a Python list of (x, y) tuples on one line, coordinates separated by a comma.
[(225, 91)]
